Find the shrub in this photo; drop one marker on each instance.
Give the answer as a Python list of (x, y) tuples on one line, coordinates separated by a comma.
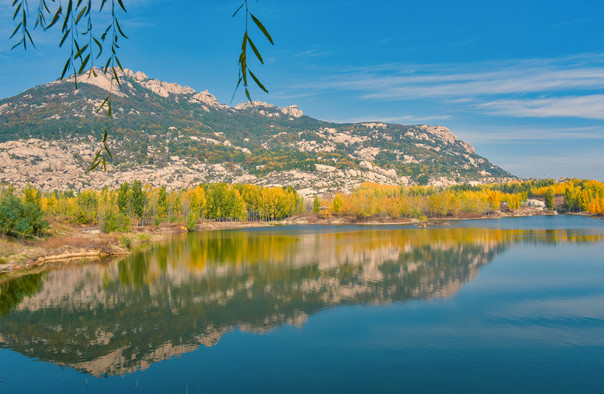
[(191, 221), (127, 242), (115, 221), (20, 219)]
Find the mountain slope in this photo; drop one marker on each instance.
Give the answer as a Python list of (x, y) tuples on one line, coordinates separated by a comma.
[(164, 133)]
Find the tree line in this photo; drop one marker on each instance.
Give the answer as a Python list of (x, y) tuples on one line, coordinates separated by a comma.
[(134, 204), (371, 200), (27, 212)]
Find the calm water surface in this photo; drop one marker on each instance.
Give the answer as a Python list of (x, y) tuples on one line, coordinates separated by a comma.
[(498, 306)]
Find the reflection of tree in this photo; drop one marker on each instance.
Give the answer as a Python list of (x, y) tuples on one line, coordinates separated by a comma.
[(14, 291), (108, 319)]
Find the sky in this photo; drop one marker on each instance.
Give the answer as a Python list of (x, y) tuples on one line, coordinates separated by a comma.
[(522, 81)]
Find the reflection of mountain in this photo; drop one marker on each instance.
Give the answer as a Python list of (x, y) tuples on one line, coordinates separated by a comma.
[(115, 318)]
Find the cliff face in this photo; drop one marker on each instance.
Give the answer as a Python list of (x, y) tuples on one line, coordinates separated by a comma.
[(165, 133)]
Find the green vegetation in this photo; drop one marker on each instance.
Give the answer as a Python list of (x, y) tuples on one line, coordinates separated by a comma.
[(21, 217), (316, 205), (397, 202), (138, 204), (549, 199)]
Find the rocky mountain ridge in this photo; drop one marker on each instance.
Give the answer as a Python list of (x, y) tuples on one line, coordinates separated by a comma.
[(165, 133)]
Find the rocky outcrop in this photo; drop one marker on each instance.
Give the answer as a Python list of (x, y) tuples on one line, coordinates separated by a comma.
[(53, 165)]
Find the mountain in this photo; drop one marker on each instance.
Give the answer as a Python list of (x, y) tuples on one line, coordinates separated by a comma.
[(165, 133)]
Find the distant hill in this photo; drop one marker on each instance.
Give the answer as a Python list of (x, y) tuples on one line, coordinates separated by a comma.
[(164, 133)]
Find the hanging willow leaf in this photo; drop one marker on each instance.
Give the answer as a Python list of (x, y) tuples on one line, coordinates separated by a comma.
[(99, 45), (255, 50), (105, 135), (64, 37), (116, 77), (16, 29), (67, 14), (262, 28), (120, 29), (80, 15), (84, 63), (102, 104), (54, 18), (95, 162), (119, 65), (122, 5), (237, 10), (65, 68), (16, 45), (260, 85), (30, 40), (236, 87), (17, 10), (80, 51), (104, 35)]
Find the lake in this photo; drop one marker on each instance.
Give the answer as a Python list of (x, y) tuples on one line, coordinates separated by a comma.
[(509, 305)]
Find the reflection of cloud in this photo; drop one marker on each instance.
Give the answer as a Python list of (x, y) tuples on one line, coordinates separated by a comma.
[(190, 291), (591, 307)]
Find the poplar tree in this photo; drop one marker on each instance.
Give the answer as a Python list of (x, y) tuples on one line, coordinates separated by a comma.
[(138, 199), (549, 199)]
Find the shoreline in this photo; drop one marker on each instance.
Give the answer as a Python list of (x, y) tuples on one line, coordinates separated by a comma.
[(72, 244)]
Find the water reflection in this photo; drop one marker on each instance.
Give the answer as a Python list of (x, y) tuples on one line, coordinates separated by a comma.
[(114, 318)]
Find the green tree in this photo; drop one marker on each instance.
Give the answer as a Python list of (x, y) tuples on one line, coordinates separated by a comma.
[(337, 203), (20, 219), (138, 199), (123, 198), (162, 203), (549, 199), (316, 205), (569, 199)]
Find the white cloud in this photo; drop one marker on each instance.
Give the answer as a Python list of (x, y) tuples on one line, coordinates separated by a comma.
[(568, 87), (493, 133), (589, 165), (312, 53), (407, 119), (588, 107)]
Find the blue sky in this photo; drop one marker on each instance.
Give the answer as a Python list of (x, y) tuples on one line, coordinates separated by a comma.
[(522, 81)]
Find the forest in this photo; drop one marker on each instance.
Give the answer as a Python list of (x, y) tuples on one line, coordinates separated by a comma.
[(27, 212)]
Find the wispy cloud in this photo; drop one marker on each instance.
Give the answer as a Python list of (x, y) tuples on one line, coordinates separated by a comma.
[(311, 53), (408, 119), (515, 134), (589, 164), (558, 87), (588, 107)]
